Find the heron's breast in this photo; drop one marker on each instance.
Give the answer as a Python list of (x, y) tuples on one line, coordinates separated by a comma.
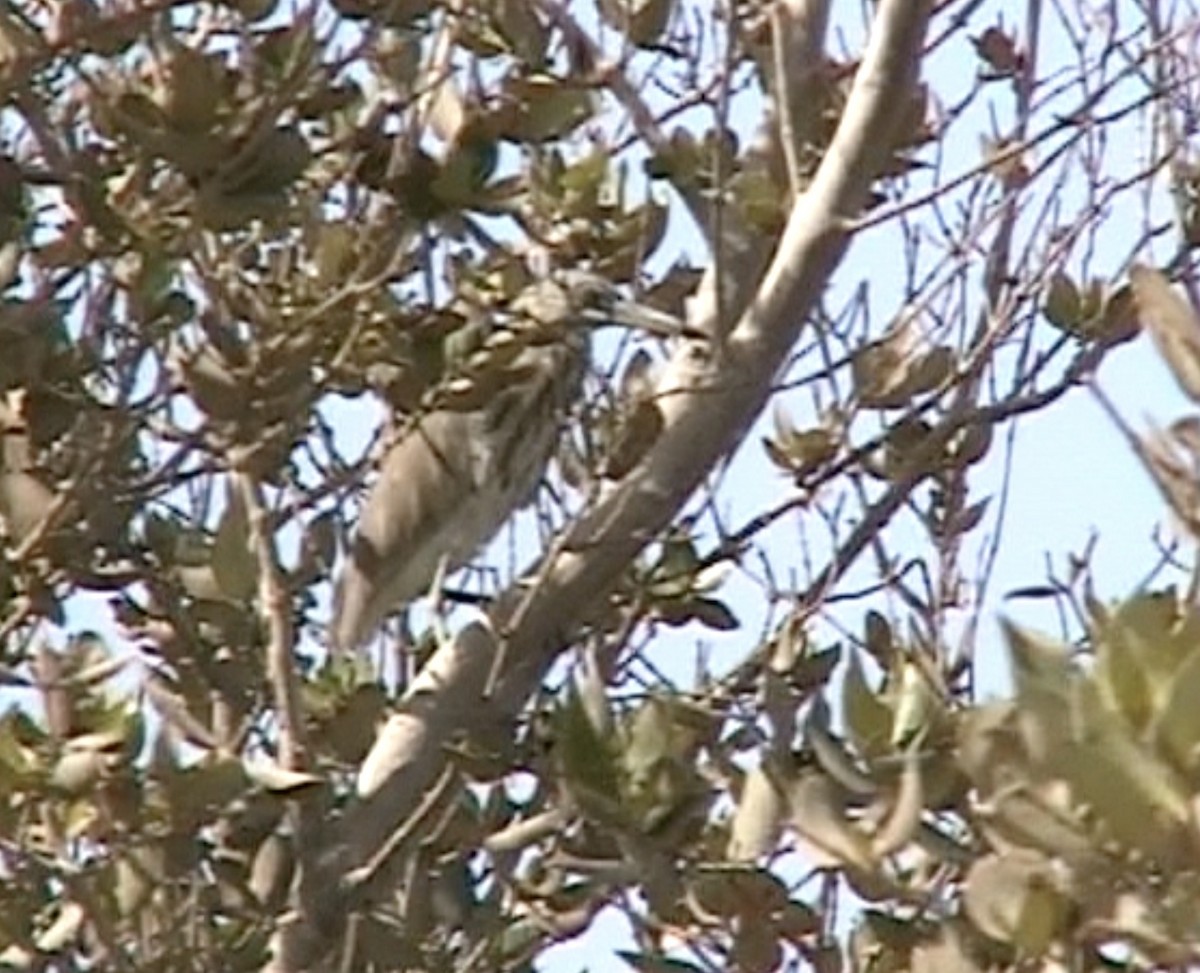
[(524, 423)]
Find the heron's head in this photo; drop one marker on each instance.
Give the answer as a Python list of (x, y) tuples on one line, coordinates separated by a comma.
[(575, 297)]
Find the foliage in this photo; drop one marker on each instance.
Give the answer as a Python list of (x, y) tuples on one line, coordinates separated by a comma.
[(222, 222)]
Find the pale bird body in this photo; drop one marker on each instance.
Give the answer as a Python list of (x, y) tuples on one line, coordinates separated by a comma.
[(448, 486), (453, 479)]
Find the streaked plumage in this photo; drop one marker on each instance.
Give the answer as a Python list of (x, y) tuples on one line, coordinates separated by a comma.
[(449, 485), (447, 488)]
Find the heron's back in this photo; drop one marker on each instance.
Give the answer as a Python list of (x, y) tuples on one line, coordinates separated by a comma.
[(450, 484)]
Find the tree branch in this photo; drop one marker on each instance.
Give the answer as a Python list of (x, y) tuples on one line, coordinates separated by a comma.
[(711, 396)]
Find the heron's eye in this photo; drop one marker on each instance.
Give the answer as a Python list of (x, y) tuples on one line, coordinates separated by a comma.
[(601, 299)]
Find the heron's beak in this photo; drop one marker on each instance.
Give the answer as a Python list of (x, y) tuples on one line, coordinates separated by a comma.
[(629, 314)]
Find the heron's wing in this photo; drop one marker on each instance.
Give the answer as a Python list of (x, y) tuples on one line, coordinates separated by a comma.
[(449, 485), (426, 478)]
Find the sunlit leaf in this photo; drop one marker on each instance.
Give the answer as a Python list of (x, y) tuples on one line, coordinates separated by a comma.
[(907, 806), (818, 813), (1172, 323), (1014, 898), (758, 819), (868, 719), (280, 780)]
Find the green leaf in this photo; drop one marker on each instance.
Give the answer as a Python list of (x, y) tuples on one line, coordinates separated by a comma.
[(77, 771), (713, 614), (1172, 323), (818, 813), (233, 563), (1063, 307), (545, 108), (868, 718), (1013, 898), (658, 732), (1140, 799), (757, 821), (916, 705), (1139, 647), (586, 759), (1176, 724), (1045, 678), (19, 739)]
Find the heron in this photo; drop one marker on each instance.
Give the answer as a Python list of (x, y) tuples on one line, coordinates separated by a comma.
[(453, 478)]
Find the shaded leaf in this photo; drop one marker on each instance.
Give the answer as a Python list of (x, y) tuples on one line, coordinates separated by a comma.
[(139, 871), (652, 963), (586, 757), (279, 780), (271, 871), (544, 108), (173, 708), (234, 565), (1026, 818), (878, 639), (999, 52), (24, 503), (641, 21), (880, 370), (639, 428), (1063, 306), (756, 948), (723, 892), (832, 756), (713, 614)]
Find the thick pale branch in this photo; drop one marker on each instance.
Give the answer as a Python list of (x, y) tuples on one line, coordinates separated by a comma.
[(408, 755), (710, 400)]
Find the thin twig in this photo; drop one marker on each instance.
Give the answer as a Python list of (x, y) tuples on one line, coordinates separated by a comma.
[(275, 610)]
